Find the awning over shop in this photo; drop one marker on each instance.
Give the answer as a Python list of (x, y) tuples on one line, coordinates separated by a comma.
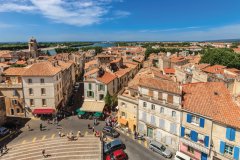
[(97, 114), (122, 121), (81, 113), (43, 111), (92, 106)]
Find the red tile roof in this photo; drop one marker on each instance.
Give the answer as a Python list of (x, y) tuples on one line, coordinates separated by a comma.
[(45, 68), (107, 78), (15, 71), (159, 84), (91, 72), (122, 72), (169, 70), (216, 69), (211, 99)]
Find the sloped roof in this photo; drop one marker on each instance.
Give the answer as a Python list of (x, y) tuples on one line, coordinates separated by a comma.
[(211, 99), (42, 69), (107, 77), (15, 71)]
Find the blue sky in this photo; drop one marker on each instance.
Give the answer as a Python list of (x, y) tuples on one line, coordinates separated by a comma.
[(119, 20)]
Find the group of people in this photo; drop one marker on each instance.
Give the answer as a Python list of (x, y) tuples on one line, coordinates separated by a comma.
[(111, 121), (4, 149)]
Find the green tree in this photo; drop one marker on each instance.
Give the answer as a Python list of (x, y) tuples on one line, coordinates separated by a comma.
[(108, 99)]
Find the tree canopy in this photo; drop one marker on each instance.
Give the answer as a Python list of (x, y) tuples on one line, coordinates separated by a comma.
[(222, 56)]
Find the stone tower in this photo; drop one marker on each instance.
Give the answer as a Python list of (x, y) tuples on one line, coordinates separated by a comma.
[(33, 48)]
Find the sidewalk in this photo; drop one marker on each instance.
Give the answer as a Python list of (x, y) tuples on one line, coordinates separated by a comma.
[(143, 143)]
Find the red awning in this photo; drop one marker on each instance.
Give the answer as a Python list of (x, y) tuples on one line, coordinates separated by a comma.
[(43, 111)]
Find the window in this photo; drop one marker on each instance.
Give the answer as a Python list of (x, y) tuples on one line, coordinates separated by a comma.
[(190, 150), (29, 80), (90, 94), (123, 114), (153, 107), (101, 87), (162, 110), (170, 99), (14, 102), (18, 110), (44, 102), (43, 91), (31, 102), (144, 104), (123, 104), (42, 80), (228, 149), (201, 138), (30, 91), (90, 86), (12, 111), (15, 93), (187, 133), (101, 96), (150, 93), (173, 114), (160, 95), (195, 120)]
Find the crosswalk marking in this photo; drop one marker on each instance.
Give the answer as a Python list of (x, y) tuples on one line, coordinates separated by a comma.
[(53, 135), (24, 141), (43, 137), (34, 139)]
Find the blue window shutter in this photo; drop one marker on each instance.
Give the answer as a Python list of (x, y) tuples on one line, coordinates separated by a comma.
[(203, 156), (228, 133), (194, 136), (202, 121), (182, 131), (222, 147), (206, 141), (236, 153), (189, 118), (232, 136)]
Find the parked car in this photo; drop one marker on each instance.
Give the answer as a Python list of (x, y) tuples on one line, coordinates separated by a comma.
[(117, 155), (160, 148), (4, 131), (181, 156), (114, 145), (109, 131)]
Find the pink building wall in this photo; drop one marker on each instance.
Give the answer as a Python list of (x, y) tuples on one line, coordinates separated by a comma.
[(195, 156)]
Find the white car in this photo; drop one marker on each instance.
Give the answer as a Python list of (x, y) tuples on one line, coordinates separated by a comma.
[(3, 131)]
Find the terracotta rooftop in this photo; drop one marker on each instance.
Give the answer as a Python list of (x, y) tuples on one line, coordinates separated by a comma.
[(116, 60), (91, 72), (15, 71), (45, 68), (21, 62), (216, 69), (122, 72), (202, 66), (163, 85), (177, 59), (211, 99), (237, 50), (107, 77), (88, 64), (169, 70), (65, 65)]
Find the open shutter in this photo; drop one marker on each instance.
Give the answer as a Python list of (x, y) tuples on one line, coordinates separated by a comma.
[(236, 153), (222, 147), (202, 121), (189, 118), (206, 141), (232, 135), (182, 131), (228, 133)]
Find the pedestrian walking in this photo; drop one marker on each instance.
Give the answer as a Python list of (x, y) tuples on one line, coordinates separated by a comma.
[(93, 129), (43, 153), (135, 134), (59, 133), (28, 127), (1, 151), (5, 147), (79, 133), (41, 127)]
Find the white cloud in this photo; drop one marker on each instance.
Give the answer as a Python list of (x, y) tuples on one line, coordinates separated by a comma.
[(72, 12), (5, 25)]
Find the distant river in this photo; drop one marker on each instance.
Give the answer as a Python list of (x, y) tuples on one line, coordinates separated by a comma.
[(104, 45)]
